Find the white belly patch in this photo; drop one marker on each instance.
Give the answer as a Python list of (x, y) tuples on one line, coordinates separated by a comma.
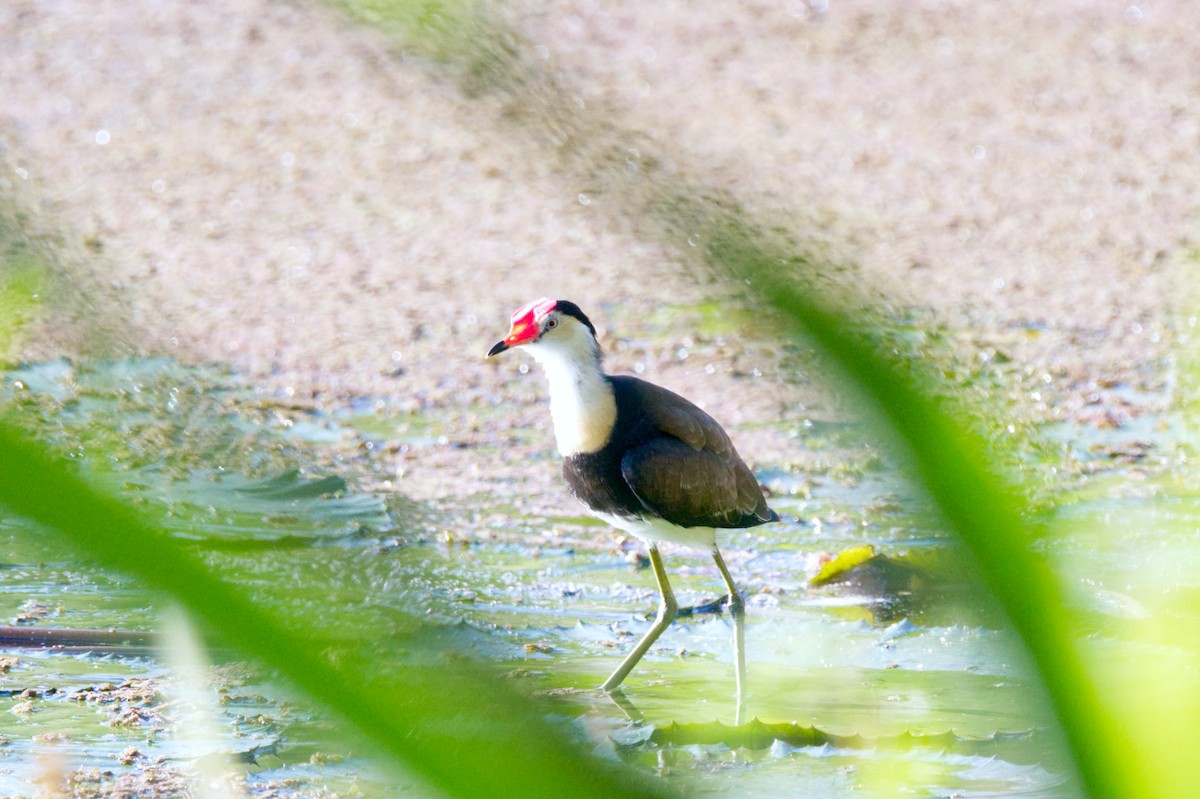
[(660, 530)]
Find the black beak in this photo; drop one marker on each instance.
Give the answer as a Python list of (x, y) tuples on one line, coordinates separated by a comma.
[(499, 347)]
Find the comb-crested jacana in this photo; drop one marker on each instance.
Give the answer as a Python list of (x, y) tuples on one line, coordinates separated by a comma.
[(638, 456)]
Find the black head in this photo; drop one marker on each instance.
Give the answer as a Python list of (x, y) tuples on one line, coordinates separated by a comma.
[(571, 309)]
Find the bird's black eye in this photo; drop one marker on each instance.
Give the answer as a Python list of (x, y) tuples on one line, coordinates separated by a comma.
[(551, 323)]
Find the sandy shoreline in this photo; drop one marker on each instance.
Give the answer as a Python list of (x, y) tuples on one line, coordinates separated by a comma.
[(271, 186)]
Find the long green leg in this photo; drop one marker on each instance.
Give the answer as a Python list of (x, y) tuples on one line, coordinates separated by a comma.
[(737, 610), (667, 609)]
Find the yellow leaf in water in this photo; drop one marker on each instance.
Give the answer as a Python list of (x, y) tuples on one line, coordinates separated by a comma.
[(844, 562)]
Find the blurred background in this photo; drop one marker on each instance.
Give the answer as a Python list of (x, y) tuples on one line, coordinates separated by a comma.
[(255, 251)]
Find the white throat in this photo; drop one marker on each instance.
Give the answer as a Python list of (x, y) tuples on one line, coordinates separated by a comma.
[(582, 403)]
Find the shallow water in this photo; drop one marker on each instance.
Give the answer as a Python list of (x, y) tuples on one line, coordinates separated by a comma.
[(915, 676)]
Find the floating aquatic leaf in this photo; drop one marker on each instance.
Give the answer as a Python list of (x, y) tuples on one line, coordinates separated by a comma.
[(291, 485), (845, 560), (232, 506), (757, 734), (190, 440)]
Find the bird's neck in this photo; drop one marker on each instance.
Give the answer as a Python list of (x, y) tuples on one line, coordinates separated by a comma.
[(582, 403)]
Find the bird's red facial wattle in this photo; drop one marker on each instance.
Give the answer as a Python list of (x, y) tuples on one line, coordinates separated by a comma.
[(526, 325)]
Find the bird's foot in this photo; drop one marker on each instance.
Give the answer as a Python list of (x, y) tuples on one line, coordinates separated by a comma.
[(712, 606), (718, 605)]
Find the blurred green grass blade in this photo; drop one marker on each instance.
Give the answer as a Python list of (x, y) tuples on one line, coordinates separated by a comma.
[(443, 30), (22, 283), (957, 467), (452, 724)]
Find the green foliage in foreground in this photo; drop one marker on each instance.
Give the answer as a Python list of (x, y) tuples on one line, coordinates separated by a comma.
[(455, 725), (960, 471)]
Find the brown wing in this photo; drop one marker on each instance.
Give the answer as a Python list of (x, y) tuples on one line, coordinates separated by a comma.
[(689, 473)]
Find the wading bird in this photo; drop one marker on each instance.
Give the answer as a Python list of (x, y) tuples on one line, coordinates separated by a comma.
[(638, 456)]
